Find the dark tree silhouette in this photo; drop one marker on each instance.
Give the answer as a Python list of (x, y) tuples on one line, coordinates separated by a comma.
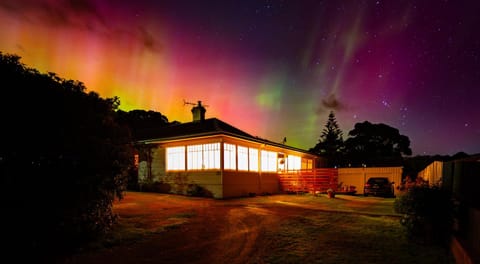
[(330, 144), (376, 145), (63, 161), (141, 122)]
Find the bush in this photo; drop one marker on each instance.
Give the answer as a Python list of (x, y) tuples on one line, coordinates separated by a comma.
[(63, 161), (157, 187), (198, 191), (427, 214)]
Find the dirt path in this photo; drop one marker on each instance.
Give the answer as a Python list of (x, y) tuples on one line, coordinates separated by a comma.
[(220, 231)]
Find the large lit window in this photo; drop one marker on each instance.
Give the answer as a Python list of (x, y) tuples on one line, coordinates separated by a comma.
[(242, 158), (176, 158), (268, 161), (294, 162), (229, 156), (205, 156), (253, 159)]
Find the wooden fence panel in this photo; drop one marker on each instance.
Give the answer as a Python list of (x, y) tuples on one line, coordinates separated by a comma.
[(318, 180)]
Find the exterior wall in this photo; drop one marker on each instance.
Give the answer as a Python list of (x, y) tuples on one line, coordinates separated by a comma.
[(179, 182), (358, 176), (152, 170), (269, 183), (150, 166), (432, 173), (239, 183)]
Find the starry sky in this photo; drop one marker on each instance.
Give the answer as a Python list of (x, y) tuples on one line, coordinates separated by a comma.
[(274, 69)]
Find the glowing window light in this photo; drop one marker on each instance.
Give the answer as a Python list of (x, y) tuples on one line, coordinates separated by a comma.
[(176, 158), (307, 164), (211, 156), (194, 157), (253, 159), (294, 162), (205, 156), (242, 158), (229, 156), (268, 161)]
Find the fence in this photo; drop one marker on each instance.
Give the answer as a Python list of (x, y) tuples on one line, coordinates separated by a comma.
[(312, 181)]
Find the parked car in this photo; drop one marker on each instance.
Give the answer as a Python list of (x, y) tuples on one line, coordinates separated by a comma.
[(378, 186)]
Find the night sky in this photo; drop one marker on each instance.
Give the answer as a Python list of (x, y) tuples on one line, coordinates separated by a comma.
[(274, 69)]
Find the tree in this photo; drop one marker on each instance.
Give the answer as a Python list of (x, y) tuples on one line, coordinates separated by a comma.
[(63, 160), (376, 144), (141, 122), (330, 144)]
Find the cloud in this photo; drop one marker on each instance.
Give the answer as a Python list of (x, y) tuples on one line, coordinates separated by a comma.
[(77, 13), (148, 40), (331, 102)]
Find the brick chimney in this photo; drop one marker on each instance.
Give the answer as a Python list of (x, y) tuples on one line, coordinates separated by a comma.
[(198, 112)]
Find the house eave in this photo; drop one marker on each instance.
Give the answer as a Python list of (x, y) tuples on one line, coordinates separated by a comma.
[(222, 133)]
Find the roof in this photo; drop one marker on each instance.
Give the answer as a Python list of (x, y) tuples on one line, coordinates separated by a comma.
[(207, 127)]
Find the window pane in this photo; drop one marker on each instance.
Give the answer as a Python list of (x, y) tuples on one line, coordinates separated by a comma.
[(268, 161), (294, 162), (211, 156), (253, 159), (194, 157), (307, 164), (242, 158), (229, 156), (176, 158)]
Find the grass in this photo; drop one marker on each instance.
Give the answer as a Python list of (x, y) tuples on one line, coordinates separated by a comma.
[(133, 228), (347, 238)]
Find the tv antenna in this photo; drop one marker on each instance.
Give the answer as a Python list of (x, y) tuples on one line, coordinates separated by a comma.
[(199, 103)]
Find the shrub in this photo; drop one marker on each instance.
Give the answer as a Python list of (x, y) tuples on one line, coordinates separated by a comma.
[(198, 191), (63, 161), (427, 214)]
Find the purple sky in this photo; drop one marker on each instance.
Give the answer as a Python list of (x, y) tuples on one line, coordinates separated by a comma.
[(272, 68)]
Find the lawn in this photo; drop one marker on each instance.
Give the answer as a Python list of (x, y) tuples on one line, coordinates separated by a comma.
[(347, 238), (266, 229)]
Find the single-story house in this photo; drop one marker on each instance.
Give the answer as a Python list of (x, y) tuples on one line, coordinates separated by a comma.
[(217, 158)]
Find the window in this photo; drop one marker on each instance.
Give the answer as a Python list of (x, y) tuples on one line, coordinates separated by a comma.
[(176, 158), (253, 159), (229, 156), (194, 157), (294, 162), (307, 164), (205, 156), (242, 158), (269, 161)]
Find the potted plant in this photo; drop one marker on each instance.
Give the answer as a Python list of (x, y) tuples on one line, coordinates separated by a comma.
[(330, 193)]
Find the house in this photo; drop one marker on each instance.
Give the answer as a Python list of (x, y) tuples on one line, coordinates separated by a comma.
[(216, 158)]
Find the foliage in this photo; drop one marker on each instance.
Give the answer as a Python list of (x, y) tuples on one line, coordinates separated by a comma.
[(330, 145), (427, 214), (376, 144), (63, 159), (198, 191), (156, 186), (141, 122)]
